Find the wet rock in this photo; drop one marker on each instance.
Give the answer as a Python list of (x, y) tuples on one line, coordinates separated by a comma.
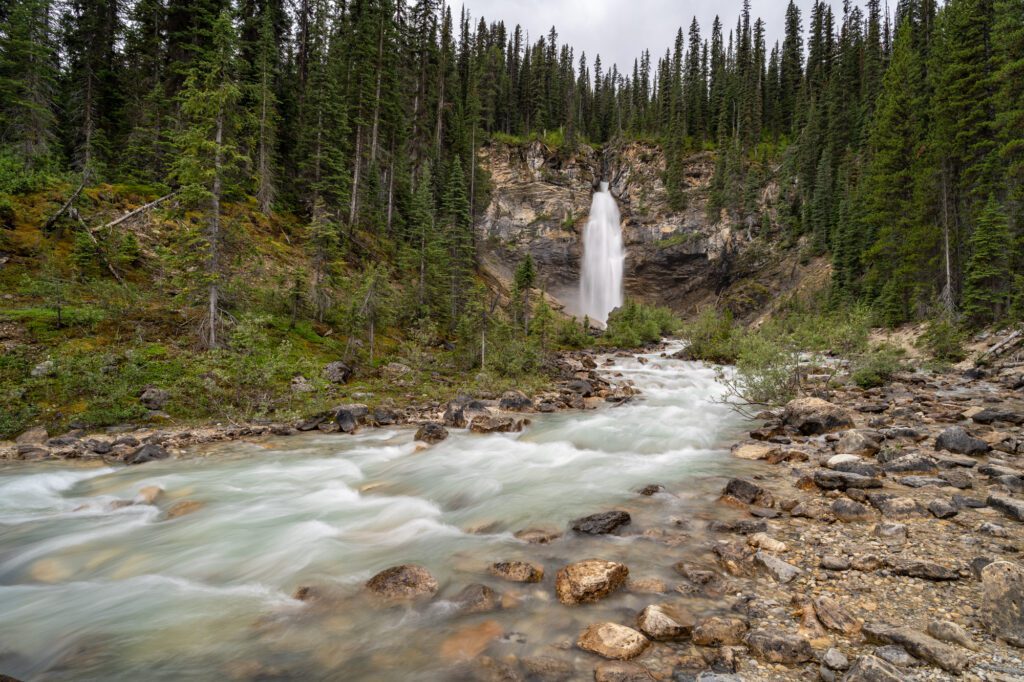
[(589, 580), (538, 536), (835, 660), (1002, 608), (827, 479), (602, 523), (154, 398), (612, 640), (652, 489), (833, 616), (621, 671), (734, 557), (1012, 508), (517, 571), (184, 507), (957, 439), (755, 451), (741, 526), (147, 453), (811, 416), (947, 631), (431, 433), (779, 647), (719, 631), (148, 494), (470, 641), (941, 509), (515, 401), (583, 388), (858, 442), (337, 372), (848, 511), (918, 644), (100, 447), (748, 492), (647, 586), (872, 669), (402, 583), (347, 417), (477, 598), (496, 425), (548, 668), (925, 570), (383, 416), (454, 416), (893, 507), (781, 571), (661, 621)]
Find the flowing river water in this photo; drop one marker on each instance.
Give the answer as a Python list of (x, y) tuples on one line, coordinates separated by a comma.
[(90, 589)]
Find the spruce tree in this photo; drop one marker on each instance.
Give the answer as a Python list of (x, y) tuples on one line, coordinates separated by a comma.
[(989, 279)]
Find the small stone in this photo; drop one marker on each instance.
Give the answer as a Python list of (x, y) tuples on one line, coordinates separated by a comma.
[(661, 621), (778, 647), (719, 631), (835, 660), (871, 669), (866, 563), (896, 655), (517, 571), (764, 542), (948, 631), (748, 492), (779, 569), (835, 563), (941, 509), (890, 533), (926, 570), (612, 640), (589, 580), (833, 616)]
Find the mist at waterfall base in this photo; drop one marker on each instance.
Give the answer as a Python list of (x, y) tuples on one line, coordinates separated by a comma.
[(603, 257)]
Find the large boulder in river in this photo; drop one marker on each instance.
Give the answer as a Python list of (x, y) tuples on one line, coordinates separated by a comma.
[(662, 621), (407, 582), (150, 452), (517, 571), (1003, 603), (956, 439), (431, 432), (612, 640), (811, 416), (589, 580)]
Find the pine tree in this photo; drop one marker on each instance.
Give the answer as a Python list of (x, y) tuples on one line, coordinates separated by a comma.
[(28, 80), (989, 279)]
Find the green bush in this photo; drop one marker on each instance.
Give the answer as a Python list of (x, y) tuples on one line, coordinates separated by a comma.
[(572, 334), (636, 324), (876, 367), (766, 373), (710, 337), (943, 340)]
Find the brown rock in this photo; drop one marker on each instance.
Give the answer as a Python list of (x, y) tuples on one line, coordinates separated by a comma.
[(778, 647), (612, 640), (811, 416), (661, 621), (538, 536), (184, 507), (719, 631), (517, 571), (402, 583), (470, 641), (589, 580), (621, 671), (833, 616)]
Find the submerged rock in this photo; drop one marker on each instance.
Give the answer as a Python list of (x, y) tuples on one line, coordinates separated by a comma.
[(517, 571), (602, 523), (477, 598), (431, 433), (612, 640), (403, 583), (589, 580), (748, 492)]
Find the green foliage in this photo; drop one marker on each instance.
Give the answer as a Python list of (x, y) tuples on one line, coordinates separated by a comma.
[(766, 372), (987, 291), (877, 366), (710, 337), (571, 333), (944, 340), (635, 324)]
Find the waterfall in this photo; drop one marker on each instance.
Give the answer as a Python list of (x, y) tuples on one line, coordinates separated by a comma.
[(603, 256)]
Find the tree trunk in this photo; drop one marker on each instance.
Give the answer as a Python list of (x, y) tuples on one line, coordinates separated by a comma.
[(213, 262), (376, 97), (265, 192), (354, 204)]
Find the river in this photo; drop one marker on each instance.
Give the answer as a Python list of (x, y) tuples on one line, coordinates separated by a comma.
[(93, 589)]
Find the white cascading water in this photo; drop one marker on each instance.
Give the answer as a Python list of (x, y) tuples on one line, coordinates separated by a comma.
[(603, 256)]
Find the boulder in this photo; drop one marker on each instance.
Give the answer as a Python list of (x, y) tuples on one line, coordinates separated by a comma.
[(583, 388), (515, 401), (873, 669), (827, 479), (347, 417), (431, 433), (719, 631), (777, 568), (485, 424), (1002, 608), (749, 493), (1008, 506), (154, 398), (517, 571), (407, 582), (661, 621), (778, 647), (34, 436), (393, 371), (956, 439), (849, 511), (612, 640), (755, 451), (926, 570), (941, 509), (990, 415), (337, 372), (812, 416), (621, 671), (918, 644), (147, 453), (589, 580), (477, 598), (858, 442), (894, 507), (602, 523), (454, 416)]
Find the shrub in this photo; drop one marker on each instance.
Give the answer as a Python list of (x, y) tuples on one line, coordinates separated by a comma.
[(710, 337), (766, 374), (943, 340), (635, 324), (572, 334), (877, 366)]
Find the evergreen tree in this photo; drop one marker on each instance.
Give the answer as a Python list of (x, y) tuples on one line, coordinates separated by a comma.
[(989, 281)]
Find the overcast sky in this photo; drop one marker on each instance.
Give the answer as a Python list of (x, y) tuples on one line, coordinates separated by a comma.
[(619, 30)]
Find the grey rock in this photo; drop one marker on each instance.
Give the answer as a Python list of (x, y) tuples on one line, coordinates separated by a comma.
[(897, 655), (834, 659), (948, 631), (147, 453), (46, 368), (872, 669), (778, 647), (918, 644), (602, 523), (1002, 608), (835, 563), (348, 417), (154, 398), (890, 533), (779, 569), (957, 439), (840, 480), (941, 509), (431, 432), (1012, 508), (858, 442), (848, 511), (515, 401), (337, 372), (911, 464), (990, 414), (921, 481), (812, 416), (926, 570), (894, 507), (748, 492)]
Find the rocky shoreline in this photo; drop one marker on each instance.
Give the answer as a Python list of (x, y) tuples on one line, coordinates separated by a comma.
[(578, 385)]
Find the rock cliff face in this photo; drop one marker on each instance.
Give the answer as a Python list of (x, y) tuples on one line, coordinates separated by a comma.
[(540, 201)]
